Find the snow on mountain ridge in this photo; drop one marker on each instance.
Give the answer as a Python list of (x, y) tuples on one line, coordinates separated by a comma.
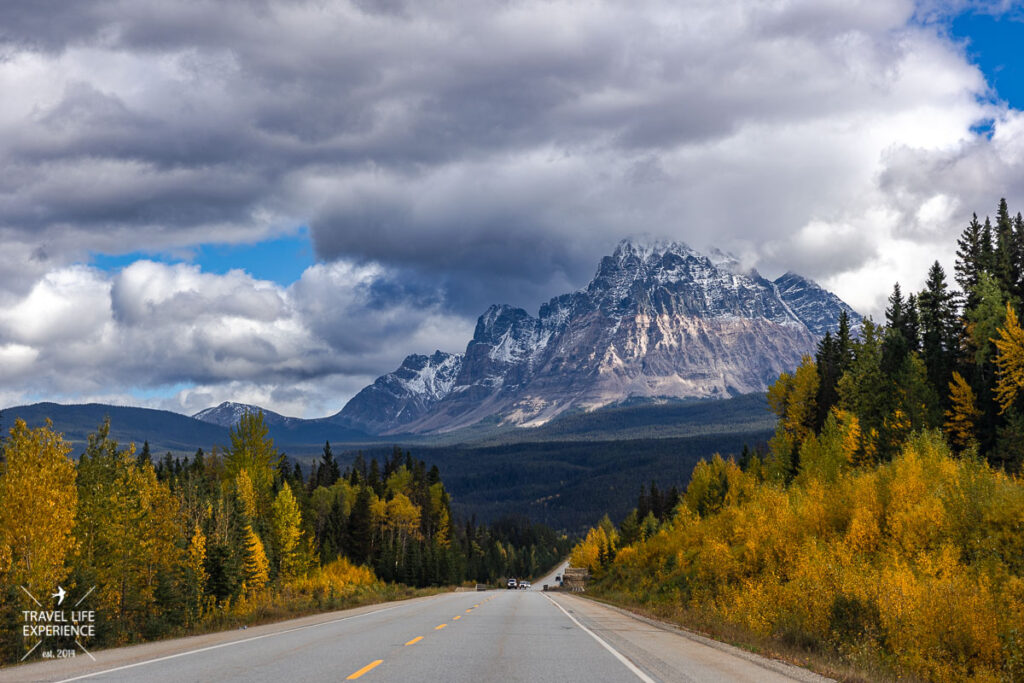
[(228, 413), (658, 320)]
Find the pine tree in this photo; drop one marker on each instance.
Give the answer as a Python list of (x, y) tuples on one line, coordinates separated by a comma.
[(145, 457), (939, 330), (987, 256), (1007, 264), (328, 472), (844, 342), (969, 267), (359, 536)]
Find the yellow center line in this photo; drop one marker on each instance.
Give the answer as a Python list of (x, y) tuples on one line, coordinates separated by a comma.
[(415, 640), (468, 611), (366, 668), (438, 628), (456, 618)]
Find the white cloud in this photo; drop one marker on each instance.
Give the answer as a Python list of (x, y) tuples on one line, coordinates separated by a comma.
[(86, 334), (449, 156)]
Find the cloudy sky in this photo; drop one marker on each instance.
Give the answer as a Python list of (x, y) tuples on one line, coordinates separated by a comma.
[(274, 202)]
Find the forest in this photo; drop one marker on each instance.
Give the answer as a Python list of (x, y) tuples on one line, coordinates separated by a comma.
[(882, 526), (217, 540)]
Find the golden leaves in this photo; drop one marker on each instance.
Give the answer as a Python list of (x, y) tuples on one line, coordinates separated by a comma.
[(1009, 360)]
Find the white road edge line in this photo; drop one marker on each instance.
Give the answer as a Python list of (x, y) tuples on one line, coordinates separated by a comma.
[(619, 656), (220, 645)]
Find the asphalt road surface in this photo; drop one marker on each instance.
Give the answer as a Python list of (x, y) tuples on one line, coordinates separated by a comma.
[(498, 635)]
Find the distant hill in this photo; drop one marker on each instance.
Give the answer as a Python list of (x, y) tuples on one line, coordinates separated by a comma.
[(168, 431), (180, 434), (165, 431), (566, 473)]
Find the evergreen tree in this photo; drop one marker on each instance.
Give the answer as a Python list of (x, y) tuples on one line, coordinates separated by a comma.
[(844, 342), (359, 536), (145, 457), (829, 364), (969, 266), (987, 260), (939, 330), (1007, 261), (328, 472)]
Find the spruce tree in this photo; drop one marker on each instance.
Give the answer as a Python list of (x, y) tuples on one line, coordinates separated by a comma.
[(987, 256), (328, 472), (145, 457), (969, 267), (359, 536), (1007, 262), (939, 331)]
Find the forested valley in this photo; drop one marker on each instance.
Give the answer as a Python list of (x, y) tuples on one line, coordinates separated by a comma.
[(229, 538), (882, 526)]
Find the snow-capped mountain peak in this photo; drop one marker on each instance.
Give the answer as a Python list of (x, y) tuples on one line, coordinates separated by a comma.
[(659, 320), (228, 413)]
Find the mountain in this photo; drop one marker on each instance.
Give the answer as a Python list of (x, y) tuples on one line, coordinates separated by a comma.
[(165, 431), (228, 413), (659, 321), (405, 395), (818, 308)]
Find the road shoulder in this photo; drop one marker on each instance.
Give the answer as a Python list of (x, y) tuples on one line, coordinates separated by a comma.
[(663, 648)]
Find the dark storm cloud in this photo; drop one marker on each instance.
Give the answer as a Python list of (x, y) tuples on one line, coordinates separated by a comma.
[(445, 156)]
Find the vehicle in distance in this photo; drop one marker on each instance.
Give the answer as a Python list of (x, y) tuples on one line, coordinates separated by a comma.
[(512, 583), (523, 585)]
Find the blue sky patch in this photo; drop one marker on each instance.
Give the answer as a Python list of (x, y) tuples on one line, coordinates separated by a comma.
[(281, 260), (995, 46)]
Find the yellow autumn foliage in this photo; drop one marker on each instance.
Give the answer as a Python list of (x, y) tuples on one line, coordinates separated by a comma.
[(38, 502), (916, 565), (1009, 360), (255, 567), (963, 414)]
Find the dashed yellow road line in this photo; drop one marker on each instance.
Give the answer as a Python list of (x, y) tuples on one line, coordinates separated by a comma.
[(438, 628), (366, 668), (415, 640), (456, 618), (468, 611)]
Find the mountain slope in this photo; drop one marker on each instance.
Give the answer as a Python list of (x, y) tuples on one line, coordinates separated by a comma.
[(406, 394), (658, 321), (228, 413)]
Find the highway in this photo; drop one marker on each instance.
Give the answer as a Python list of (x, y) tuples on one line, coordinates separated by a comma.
[(498, 635)]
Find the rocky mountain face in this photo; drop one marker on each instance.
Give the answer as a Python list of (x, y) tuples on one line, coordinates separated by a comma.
[(405, 395), (658, 321)]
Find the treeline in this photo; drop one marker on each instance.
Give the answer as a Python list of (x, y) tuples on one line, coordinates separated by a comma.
[(202, 542), (883, 524)]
